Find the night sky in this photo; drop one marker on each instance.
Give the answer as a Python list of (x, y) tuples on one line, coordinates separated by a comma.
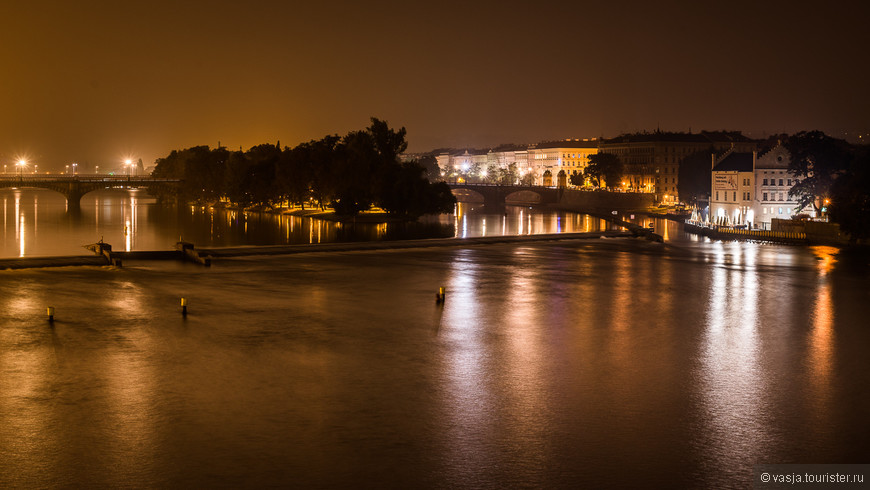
[(97, 82)]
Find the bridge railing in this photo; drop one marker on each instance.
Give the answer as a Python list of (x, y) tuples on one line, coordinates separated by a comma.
[(84, 178)]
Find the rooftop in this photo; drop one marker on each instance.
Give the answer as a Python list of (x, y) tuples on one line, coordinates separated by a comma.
[(734, 161)]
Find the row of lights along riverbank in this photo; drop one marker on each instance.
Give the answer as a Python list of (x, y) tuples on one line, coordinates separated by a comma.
[(22, 164)]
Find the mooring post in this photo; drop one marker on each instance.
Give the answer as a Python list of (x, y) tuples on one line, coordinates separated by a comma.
[(50, 314), (441, 295)]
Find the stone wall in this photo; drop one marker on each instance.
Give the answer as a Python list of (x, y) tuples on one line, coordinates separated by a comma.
[(603, 202)]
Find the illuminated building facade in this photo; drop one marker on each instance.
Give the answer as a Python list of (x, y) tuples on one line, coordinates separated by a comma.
[(549, 163), (732, 189), (750, 189), (651, 161), (552, 163), (772, 184)]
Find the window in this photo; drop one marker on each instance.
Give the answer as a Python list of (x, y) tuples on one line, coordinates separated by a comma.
[(765, 183), (717, 195), (780, 181), (735, 196), (763, 210), (764, 198), (789, 182)]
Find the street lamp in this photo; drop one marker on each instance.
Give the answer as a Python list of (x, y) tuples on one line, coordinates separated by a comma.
[(97, 169), (66, 171), (21, 164), (74, 167), (129, 164)]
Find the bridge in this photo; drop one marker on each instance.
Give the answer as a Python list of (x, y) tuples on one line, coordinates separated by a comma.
[(582, 201), (499, 195), (73, 187)]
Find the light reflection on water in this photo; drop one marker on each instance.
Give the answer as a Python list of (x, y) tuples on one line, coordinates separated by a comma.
[(130, 220), (572, 364)]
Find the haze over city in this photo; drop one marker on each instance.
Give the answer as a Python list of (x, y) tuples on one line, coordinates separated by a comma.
[(98, 82)]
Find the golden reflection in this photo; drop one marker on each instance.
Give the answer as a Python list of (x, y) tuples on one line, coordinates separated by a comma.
[(821, 350), (21, 240), (732, 385), (469, 400), (130, 391), (28, 374), (17, 214), (826, 257), (525, 399)]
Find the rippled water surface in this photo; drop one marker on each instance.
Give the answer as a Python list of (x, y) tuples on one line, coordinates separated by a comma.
[(565, 364), (36, 222)]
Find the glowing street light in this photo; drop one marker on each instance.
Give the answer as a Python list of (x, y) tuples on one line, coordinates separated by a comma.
[(129, 165), (21, 164), (74, 167)]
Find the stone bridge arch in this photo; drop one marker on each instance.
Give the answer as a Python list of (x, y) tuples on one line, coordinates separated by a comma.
[(499, 195), (74, 187)]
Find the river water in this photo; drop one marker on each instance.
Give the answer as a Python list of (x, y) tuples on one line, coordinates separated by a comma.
[(618, 362)]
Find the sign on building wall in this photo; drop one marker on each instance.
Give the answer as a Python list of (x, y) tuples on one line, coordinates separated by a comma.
[(725, 182)]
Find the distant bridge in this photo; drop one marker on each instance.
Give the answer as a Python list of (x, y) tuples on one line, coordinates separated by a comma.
[(73, 187), (583, 201), (498, 195)]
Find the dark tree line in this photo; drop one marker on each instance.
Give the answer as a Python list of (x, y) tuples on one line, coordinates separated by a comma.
[(350, 174), (834, 178)]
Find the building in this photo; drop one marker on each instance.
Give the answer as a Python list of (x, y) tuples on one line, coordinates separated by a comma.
[(549, 163), (750, 190), (553, 162), (772, 185), (732, 189), (651, 161)]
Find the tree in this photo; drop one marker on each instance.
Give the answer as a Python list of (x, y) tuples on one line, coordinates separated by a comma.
[(850, 198), (605, 166), (695, 175), (200, 169), (430, 164), (294, 175), (577, 179), (816, 161), (262, 187)]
